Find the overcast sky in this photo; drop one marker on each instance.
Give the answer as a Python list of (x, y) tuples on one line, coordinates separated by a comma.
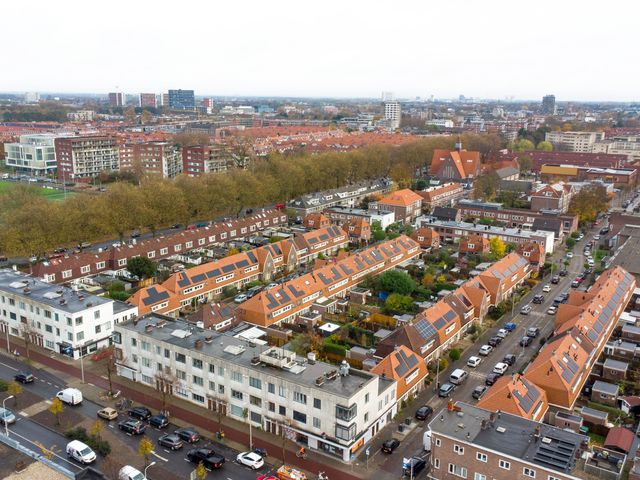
[(578, 50)]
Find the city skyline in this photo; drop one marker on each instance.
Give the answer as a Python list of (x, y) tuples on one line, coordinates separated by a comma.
[(341, 52)]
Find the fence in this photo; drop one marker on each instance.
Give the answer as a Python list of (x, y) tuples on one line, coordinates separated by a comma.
[(36, 456)]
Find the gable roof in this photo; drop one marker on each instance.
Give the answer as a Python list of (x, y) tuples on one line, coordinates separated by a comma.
[(619, 438), (518, 396), (401, 364), (400, 198)]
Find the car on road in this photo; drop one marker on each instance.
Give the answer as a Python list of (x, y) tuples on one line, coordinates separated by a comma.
[(502, 333), (509, 326), (485, 350), (24, 377), (414, 466), (558, 300), (575, 284), (190, 435), (80, 452), (591, 262), (132, 427), (526, 310), (159, 421), (569, 254), (141, 413), (525, 341), (446, 389), (424, 412), (240, 298), (596, 237), (538, 299), (563, 273), (533, 332), (500, 368), (129, 473), (7, 416), (474, 361), (494, 341), (580, 237), (491, 379), (135, 234), (171, 441), (388, 446), (250, 459), (509, 359), (546, 288), (587, 271), (208, 457), (108, 413), (175, 226), (479, 391), (555, 279), (271, 285), (552, 310)]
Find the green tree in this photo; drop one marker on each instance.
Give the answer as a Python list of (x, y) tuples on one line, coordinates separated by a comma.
[(523, 145), (397, 303), (142, 267), (588, 203), (570, 242), (145, 447), (544, 146), (486, 186), (454, 354), (56, 408), (397, 281), (497, 247), (525, 163)]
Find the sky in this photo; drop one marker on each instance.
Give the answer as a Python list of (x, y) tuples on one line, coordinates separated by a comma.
[(577, 50)]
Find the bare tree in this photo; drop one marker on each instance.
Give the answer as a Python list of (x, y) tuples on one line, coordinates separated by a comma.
[(107, 356), (165, 382)]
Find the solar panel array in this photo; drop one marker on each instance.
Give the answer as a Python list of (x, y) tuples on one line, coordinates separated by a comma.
[(557, 454), (425, 329), (405, 363), (154, 296)]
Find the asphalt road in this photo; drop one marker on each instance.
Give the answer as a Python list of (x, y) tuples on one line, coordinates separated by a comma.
[(47, 385)]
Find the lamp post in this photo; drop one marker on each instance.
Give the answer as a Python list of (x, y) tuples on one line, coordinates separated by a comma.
[(145, 469), (6, 424)]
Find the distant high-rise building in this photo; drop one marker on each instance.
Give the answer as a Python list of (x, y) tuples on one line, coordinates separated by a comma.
[(79, 159), (549, 105), (116, 99), (392, 114), (148, 100), (207, 102), (31, 97), (182, 99)]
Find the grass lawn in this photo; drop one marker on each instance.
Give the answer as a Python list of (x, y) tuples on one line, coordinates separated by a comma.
[(49, 193)]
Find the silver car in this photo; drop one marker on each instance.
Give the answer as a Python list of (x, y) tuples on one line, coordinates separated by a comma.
[(7, 416)]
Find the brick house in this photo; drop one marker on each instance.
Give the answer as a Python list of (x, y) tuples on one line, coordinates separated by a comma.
[(474, 244), (405, 204), (427, 237), (316, 220), (614, 370), (358, 230), (556, 196), (455, 165)]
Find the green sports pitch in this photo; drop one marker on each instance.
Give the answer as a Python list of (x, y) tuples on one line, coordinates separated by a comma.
[(52, 194)]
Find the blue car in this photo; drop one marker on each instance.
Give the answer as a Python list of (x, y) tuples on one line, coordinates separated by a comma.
[(510, 326)]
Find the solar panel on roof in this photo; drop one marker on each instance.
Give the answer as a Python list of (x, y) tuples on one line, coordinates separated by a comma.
[(346, 269), (324, 279), (153, 296), (252, 256), (228, 268), (296, 293), (567, 375), (573, 366), (410, 361), (439, 323), (525, 402), (336, 274), (242, 263), (385, 251), (425, 329), (368, 260), (273, 303), (449, 315), (375, 254), (402, 368), (184, 281), (285, 297), (312, 240), (359, 262), (324, 236), (395, 248), (593, 336)]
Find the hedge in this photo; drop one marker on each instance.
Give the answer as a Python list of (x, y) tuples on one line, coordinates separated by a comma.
[(97, 444)]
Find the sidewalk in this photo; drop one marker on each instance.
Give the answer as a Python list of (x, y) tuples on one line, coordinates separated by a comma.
[(183, 412)]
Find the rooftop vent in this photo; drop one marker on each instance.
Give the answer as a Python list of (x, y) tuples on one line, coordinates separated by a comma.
[(198, 343), (148, 328), (546, 440), (234, 349), (180, 333)]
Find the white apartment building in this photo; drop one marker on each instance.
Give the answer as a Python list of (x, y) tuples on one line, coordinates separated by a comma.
[(574, 141), (81, 116), (628, 145), (392, 113), (336, 410), (33, 155), (57, 318)]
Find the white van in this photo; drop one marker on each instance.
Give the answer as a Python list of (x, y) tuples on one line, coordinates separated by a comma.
[(70, 396), (458, 376), (80, 452), (129, 473)]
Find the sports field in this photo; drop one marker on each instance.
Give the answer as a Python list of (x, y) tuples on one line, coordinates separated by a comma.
[(52, 194)]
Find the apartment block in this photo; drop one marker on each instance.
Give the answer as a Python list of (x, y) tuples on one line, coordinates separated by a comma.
[(82, 158), (580, 142), (405, 204), (582, 159), (628, 145), (65, 321), (198, 160), (116, 99), (442, 195), (321, 407), (147, 100), (182, 99), (33, 155), (152, 158)]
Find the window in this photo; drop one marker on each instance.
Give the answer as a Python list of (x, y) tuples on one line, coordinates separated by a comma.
[(255, 383), (221, 389), (551, 477), (272, 407), (299, 416), (366, 398), (346, 413), (271, 388), (300, 397), (181, 358), (181, 375), (198, 380), (317, 403), (197, 398), (167, 353), (481, 457), (134, 342), (145, 362), (48, 328), (212, 368), (212, 386), (255, 401), (457, 470), (282, 391), (236, 377), (436, 463), (346, 433), (316, 423), (78, 320), (458, 449), (98, 328), (504, 464), (236, 394), (255, 417), (479, 476), (80, 336), (529, 472), (146, 346), (237, 411), (196, 363), (221, 371), (366, 417)]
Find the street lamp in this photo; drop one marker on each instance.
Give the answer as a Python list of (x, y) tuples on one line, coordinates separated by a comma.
[(145, 469), (6, 424)]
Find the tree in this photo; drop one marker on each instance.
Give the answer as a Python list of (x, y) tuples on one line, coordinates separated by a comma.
[(588, 203), (523, 145), (397, 303), (107, 356), (130, 114), (454, 354), (571, 242), (56, 408), (525, 163), (165, 382), (397, 281), (15, 389), (201, 471), (145, 116), (427, 280), (145, 447), (486, 186), (96, 429), (544, 146), (497, 247), (142, 267)]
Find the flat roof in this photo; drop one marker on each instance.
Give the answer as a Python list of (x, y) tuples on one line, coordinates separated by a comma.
[(241, 352), (488, 229), (536, 443), (27, 286)]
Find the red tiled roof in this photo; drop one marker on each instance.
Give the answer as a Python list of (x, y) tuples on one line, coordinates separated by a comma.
[(619, 438)]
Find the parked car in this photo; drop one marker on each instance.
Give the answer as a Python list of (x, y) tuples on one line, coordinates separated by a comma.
[(474, 361), (70, 396), (141, 413), (569, 254), (7, 416), (533, 332), (208, 457), (563, 273), (446, 389), (502, 333), (509, 326), (129, 473), (132, 427), (494, 341), (509, 359), (546, 288), (538, 299), (558, 300), (24, 377), (526, 341), (500, 368), (80, 452), (240, 298), (108, 413), (414, 466), (479, 391), (596, 237), (555, 279), (250, 459), (159, 421), (485, 350), (424, 412), (171, 441), (575, 284), (491, 379), (388, 446), (552, 310), (526, 310), (190, 435)]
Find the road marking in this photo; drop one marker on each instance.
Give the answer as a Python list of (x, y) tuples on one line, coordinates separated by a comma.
[(48, 402), (23, 413), (91, 384), (38, 449), (158, 456), (9, 366), (57, 386), (48, 383)]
